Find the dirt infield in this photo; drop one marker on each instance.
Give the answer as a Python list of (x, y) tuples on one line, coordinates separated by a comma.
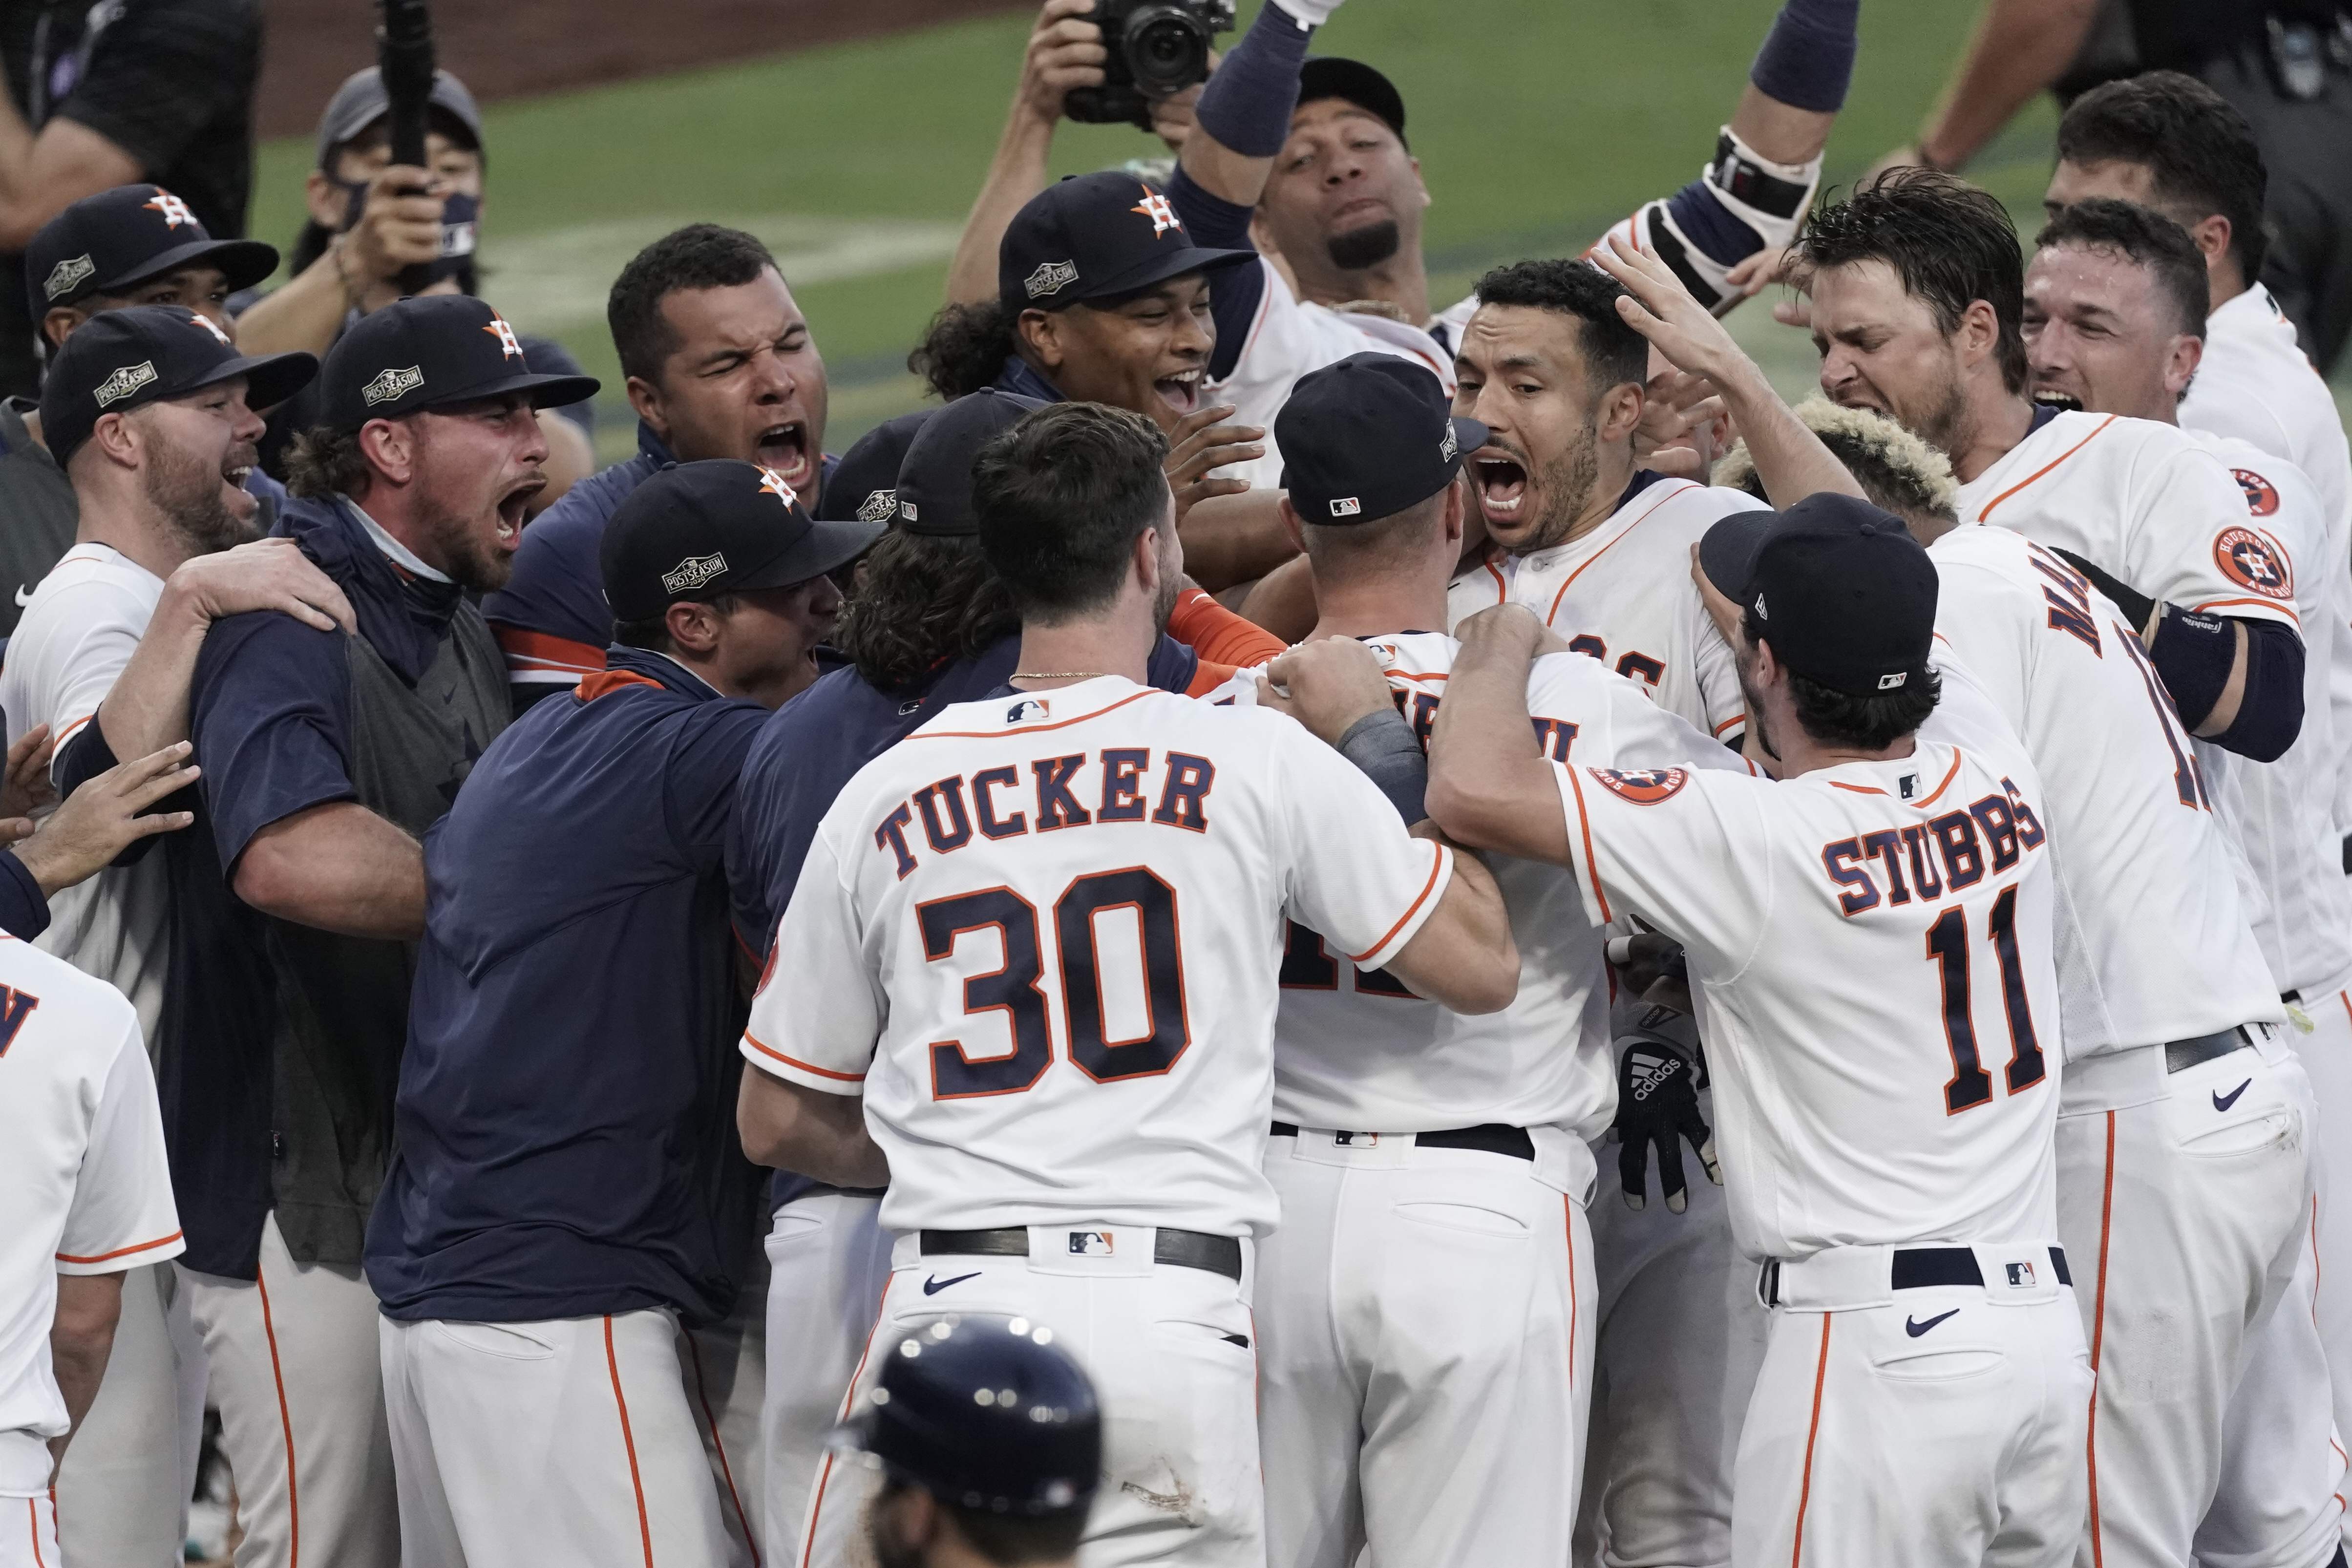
[(513, 48)]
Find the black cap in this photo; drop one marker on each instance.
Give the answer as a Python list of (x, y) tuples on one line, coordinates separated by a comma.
[(105, 243), (984, 1413), (118, 361), (360, 101), (1328, 76), (1839, 589), (428, 353), (1369, 436), (865, 484), (695, 531), (935, 478), (1095, 236)]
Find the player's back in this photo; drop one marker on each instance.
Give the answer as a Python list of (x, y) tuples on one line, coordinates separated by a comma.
[(1870, 952), (2153, 940), (1356, 1049), (1622, 594), (1065, 913)]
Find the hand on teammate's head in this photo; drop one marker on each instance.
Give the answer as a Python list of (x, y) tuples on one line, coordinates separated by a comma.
[(1658, 307)]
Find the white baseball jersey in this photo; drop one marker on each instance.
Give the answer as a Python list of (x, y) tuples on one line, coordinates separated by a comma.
[(81, 627), (1870, 954), (1040, 936), (1353, 1049), (2152, 941), (1623, 594), (81, 1159)]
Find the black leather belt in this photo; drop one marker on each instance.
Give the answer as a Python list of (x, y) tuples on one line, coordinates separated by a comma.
[(1493, 1138), (1184, 1248), (2179, 1055), (1917, 1269)]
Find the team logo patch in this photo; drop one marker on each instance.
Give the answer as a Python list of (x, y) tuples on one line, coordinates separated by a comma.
[(175, 210), (389, 384), (68, 275), (1031, 708), (1155, 206), (1642, 786), (2252, 562), (208, 324), (125, 382), (775, 484), (1092, 1244), (1347, 506), (1051, 278), (498, 329), (693, 573), (2261, 497), (1449, 446), (878, 506)]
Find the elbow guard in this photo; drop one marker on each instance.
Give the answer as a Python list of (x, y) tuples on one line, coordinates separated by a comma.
[(1381, 745), (2269, 716), (1743, 204), (2194, 653)]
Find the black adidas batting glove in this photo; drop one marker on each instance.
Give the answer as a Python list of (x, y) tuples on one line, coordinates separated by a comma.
[(1657, 1108)]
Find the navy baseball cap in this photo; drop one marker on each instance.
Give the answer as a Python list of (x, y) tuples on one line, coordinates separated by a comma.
[(361, 101), (124, 359), (695, 531), (1094, 237), (935, 478), (985, 1413), (1839, 589), (865, 484), (106, 243), (1366, 437), (1329, 75), (428, 353)]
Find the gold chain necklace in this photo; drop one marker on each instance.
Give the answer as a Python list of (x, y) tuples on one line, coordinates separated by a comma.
[(1056, 675)]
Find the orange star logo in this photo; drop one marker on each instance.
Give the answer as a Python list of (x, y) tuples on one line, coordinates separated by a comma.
[(175, 210), (498, 329), (208, 324), (775, 485), (1155, 206)]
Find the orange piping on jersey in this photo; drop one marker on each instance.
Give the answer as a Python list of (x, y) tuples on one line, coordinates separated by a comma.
[(285, 1424), (719, 1447), (2286, 610), (1591, 867), (605, 682), (67, 733), (765, 1049), (1437, 863), (1949, 777), (629, 1441), (120, 1251), (1031, 729), (1805, 1491), (1728, 724), (1502, 589), (1673, 489), (849, 1403), (1567, 1219), (1857, 789), (2099, 1339), (546, 651), (1986, 515)]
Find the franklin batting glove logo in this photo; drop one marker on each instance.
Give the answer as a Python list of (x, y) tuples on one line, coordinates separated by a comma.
[(391, 384), (693, 573), (1051, 278), (125, 382), (68, 275), (877, 506)]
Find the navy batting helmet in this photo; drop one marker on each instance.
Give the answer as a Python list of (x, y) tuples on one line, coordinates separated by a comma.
[(985, 1413)]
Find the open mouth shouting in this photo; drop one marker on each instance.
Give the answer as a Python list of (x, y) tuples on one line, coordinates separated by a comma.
[(786, 448), (1181, 392), (512, 507), (1502, 485)]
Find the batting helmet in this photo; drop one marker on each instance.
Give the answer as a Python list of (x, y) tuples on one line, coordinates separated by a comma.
[(986, 1413)]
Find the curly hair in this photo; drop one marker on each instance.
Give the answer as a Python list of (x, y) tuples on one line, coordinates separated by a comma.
[(921, 599), (1898, 472), (321, 462), (964, 349)]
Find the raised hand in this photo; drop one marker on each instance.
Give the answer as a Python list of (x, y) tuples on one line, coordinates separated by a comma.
[(1201, 444)]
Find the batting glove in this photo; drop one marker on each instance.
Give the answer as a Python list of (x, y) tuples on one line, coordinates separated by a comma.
[(1658, 1081)]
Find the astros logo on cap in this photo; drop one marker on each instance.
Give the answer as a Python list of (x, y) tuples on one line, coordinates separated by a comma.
[(2261, 497), (175, 210), (773, 483), (2252, 562), (1155, 206), (498, 329), (208, 324), (1645, 786)]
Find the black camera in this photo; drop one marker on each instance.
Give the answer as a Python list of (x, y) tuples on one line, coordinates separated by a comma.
[(1155, 48)]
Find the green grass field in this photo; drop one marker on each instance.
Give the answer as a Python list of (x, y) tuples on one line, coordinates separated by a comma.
[(1537, 124)]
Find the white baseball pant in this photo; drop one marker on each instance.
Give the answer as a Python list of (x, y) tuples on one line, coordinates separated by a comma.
[(1939, 1426), (2327, 1054), (1680, 1337), (829, 1259), (28, 1531), (726, 1369), (1425, 1359), (2183, 1200), (293, 1366), (1174, 1362), (122, 1491), (572, 1440)]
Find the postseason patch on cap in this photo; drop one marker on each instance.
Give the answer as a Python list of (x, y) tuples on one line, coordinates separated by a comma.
[(1448, 446), (693, 573), (124, 382), (391, 384), (879, 507), (68, 275), (1051, 278)]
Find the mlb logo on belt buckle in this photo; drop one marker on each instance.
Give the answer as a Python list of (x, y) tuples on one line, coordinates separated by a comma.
[(1091, 1244), (1357, 1140), (2021, 1275)]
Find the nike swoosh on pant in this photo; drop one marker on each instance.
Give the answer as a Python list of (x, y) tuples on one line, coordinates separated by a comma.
[(2223, 1102), (934, 1285), (1914, 1327)]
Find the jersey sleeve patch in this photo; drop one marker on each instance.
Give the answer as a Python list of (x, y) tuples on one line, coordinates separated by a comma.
[(2262, 496), (2249, 561), (1643, 786)]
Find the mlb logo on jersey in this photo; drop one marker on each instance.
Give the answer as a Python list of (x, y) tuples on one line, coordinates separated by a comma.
[(1092, 1244), (2251, 561), (1022, 712)]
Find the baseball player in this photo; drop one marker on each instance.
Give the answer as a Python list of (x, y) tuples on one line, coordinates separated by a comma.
[(1882, 1069), (1065, 901), (1426, 1307), (972, 1479)]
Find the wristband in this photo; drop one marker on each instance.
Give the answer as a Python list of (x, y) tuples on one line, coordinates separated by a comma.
[(1807, 60), (1381, 746), (1246, 105)]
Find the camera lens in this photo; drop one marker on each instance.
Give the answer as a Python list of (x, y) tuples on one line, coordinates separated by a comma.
[(1167, 49)]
